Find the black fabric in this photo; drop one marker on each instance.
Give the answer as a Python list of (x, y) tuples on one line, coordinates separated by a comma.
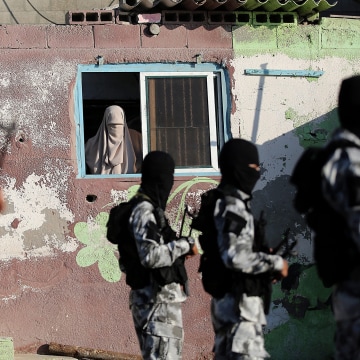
[(353, 185), (234, 160), (217, 279), (349, 104), (234, 223), (119, 233), (334, 251), (157, 177), (306, 176)]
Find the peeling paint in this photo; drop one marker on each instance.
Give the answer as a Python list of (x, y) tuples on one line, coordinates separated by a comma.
[(309, 331), (35, 213), (281, 115), (313, 132), (43, 102)]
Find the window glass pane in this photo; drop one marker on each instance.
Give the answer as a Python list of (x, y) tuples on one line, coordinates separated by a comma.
[(111, 123), (179, 119)]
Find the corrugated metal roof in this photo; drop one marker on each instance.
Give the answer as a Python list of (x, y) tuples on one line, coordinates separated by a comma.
[(304, 8)]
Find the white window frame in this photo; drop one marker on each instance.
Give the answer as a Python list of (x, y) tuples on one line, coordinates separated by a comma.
[(211, 110)]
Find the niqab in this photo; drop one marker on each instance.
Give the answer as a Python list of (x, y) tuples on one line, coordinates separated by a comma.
[(110, 151)]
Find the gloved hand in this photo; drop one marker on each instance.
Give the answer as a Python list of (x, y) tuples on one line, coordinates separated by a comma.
[(193, 248)]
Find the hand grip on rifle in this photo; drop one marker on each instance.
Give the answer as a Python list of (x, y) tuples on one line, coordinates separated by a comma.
[(193, 248), (286, 247)]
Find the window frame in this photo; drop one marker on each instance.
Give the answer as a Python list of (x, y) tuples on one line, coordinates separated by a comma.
[(219, 123)]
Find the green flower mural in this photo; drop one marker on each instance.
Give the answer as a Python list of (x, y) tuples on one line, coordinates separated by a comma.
[(97, 248)]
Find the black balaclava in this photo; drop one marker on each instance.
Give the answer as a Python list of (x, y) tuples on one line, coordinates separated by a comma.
[(234, 160), (349, 104), (157, 177)]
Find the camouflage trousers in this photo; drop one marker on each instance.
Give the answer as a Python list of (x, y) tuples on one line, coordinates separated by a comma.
[(159, 330), (347, 340), (235, 337)]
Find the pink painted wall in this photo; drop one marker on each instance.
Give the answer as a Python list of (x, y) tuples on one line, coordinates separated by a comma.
[(45, 296)]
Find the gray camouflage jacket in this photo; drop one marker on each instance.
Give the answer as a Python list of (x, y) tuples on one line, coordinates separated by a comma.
[(154, 253), (236, 249)]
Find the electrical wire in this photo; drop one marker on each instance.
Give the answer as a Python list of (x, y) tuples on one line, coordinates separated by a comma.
[(44, 17), (9, 10)]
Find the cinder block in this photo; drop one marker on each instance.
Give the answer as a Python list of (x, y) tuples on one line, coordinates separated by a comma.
[(94, 17), (275, 18), (149, 18), (184, 17), (122, 17), (167, 37), (23, 37), (229, 17), (72, 36), (114, 36), (210, 37)]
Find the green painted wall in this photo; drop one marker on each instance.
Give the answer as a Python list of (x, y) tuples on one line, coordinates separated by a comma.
[(304, 113), (331, 38)]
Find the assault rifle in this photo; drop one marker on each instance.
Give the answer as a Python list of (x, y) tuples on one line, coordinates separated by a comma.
[(286, 246), (284, 249), (191, 216)]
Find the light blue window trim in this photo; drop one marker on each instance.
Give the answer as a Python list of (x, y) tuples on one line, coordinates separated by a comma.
[(220, 128)]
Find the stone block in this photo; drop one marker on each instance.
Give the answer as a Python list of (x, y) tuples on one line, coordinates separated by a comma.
[(72, 36), (22, 37), (117, 36)]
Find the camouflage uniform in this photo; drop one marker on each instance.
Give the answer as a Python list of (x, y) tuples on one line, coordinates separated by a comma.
[(238, 319), (342, 170), (156, 309)]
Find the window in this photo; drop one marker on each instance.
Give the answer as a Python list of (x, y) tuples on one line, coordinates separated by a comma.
[(178, 108)]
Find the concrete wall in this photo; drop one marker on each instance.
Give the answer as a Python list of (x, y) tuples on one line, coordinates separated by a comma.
[(59, 276)]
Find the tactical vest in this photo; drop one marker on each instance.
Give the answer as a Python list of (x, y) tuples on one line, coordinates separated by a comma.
[(217, 279), (119, 232)]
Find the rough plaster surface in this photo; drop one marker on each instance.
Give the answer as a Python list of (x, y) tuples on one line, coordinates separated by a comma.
[(56, 280), (272, 110), (283, 115)]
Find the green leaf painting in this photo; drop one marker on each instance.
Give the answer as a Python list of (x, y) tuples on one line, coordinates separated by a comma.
[(99, 251)]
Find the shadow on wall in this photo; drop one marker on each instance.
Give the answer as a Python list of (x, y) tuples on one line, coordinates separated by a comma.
[(275, 199), (300, 324)]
